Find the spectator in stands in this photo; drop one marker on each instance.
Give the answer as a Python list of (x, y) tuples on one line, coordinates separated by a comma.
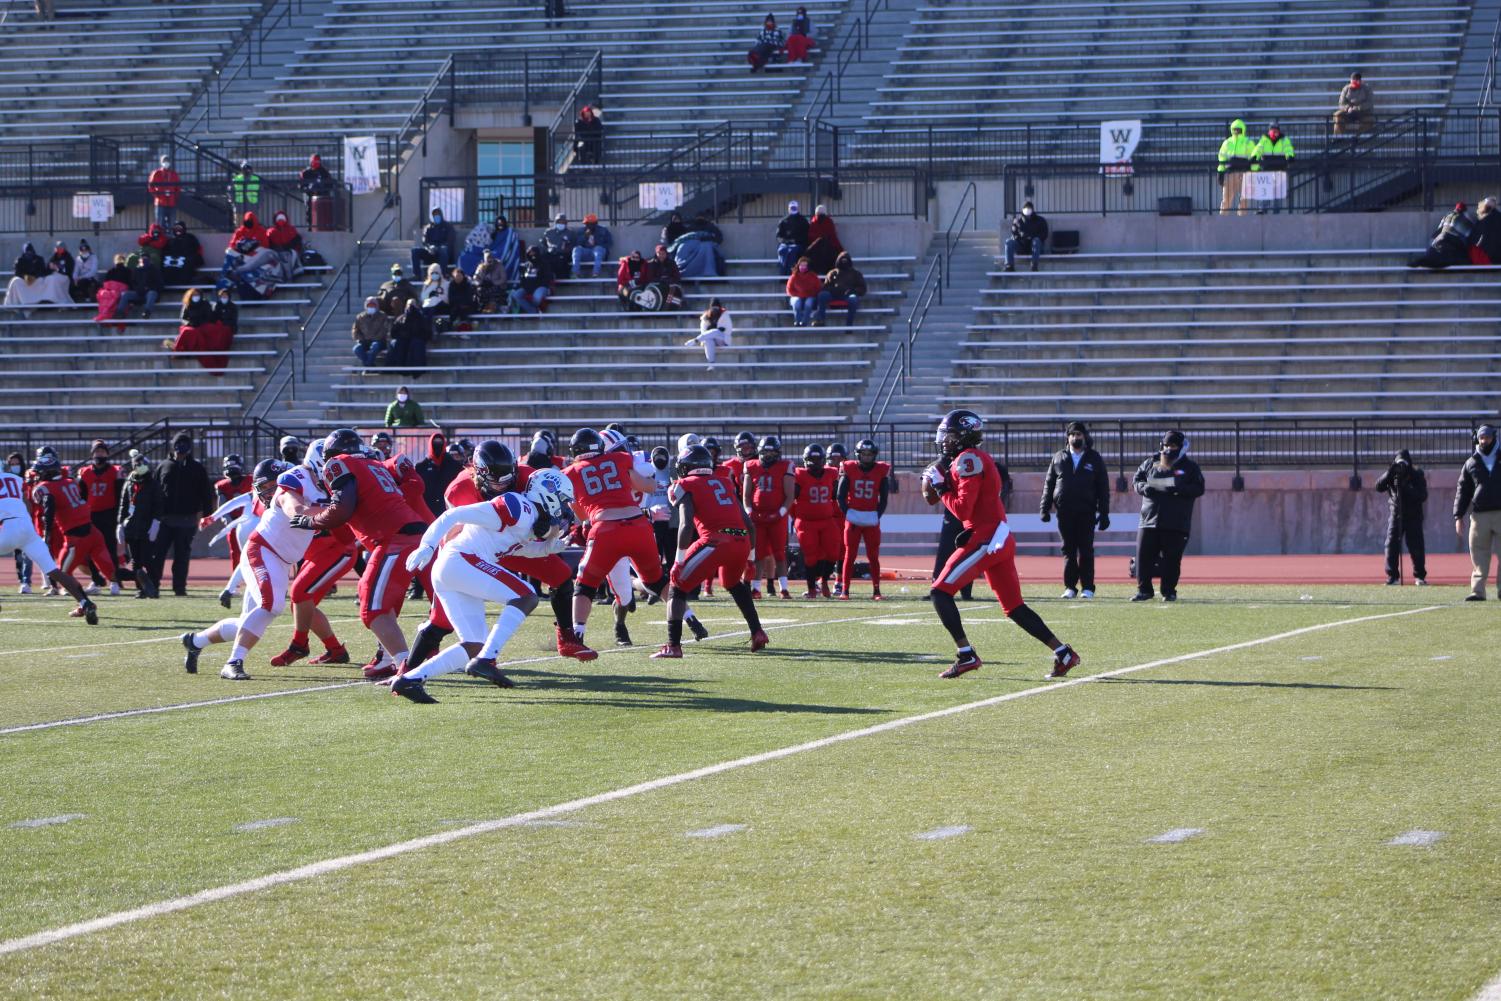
[(476, 243), (371, 332), (462, 301), (183, 256), (116, 283), (1406, 489), (703, 224), (714, 331), (1485, 238), (404, 412), (30, 264), (1169, 483), (1478, 493), (245, 189), (61, 260), (395, 293), (1236, 153), (662, 271), (769, 45), (1029, 233), (675, 228), (410, 333), (588, 138), (434, 296), (153, 243), (628, 278), (187, 494), (801, 21), (535, 284), (1078, 487), (29, 291), (490, 283), (557, 245), (315, 182), (146, 287), (800, 40), (225, 310), (792, 238), (1274, 154), (438, 470), (165, 187), (803, 287), (437, 244), (139, 523), (200, 332), (594, 243), (283, 238), (1451, 241), (696, 252), (250, 228), (845, 284), (85, 273), (821, 227), (1357, 108)]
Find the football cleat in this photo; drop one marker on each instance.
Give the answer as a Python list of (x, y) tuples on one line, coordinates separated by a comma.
[(76, 613), (877, 595), (338, 655), (380, 669), (91, 590), (844, 596), (1064, 662), (756, 593), (226, 597), (963, 664), (622, 635), (190, 662), (1070, 593), (413, 690), (291, 655), (90, 613), (786, 595), (759, 640), (114, 589), (234, 671), (24, 589), (810, 594), (484, 667), (668, 651), (824, 590), (568, 646), (699, 630)]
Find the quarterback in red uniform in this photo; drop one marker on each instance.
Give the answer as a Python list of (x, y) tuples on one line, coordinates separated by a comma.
[(767, 494), (62, 507), (862, 494), (966, 481), (713, 537), (101, 483), (816, 519)]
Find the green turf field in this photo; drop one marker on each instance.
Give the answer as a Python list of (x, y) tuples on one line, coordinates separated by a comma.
[(1292, 762)]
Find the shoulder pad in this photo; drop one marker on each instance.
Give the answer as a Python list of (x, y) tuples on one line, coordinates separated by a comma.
[(676, 493), (969, 464), (337, 467), (884, 468), (291, 481)]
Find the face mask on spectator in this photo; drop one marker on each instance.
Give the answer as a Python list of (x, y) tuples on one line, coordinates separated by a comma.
[(1026, 211), (101, 460), (557, 225), (402, 397), (197, 298), (437, 217), (15, 468), (372, 310), (802, 267)]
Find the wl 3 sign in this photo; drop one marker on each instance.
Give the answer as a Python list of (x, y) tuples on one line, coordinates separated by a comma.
[(1118, 141)]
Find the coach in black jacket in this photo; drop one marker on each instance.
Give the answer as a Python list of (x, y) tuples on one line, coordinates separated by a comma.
[(1479, 493), (1406, 490), (187, 494), (1169, 483), (1078, 487)]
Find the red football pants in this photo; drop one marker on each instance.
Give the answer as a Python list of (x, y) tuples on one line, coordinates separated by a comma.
[(326, 561), (971, 561), (818, 539), (724, 553), (81, 550), (853, 536), (613, 541)]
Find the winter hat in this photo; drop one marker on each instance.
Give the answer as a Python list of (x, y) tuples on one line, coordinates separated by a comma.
[(1076, 427), (820, 210), (590, 219), (371, 300), (98, 444), (84, 245), (792, 208), (166, 161), (396, 270)]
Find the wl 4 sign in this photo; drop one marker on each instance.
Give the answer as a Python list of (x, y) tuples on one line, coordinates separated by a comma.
[(1118, 141)]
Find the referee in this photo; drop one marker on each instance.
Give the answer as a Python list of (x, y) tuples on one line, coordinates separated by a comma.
[(1078, 487)]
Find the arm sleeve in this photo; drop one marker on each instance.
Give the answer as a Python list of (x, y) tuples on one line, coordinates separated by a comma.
[(340, 509), (233, 506), (684, 505), (842, 494), (45, 505), (1101, 485), (482, 514), (885, 496)]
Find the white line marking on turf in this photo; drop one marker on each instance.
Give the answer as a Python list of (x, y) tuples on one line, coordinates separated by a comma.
[(1314, 657), (1491, 991), (1176, 835), (172, 637), (49, 821), (717, 831), (940, 833), (261, 825), (1444, 656), (1418, 839), (326, 866)]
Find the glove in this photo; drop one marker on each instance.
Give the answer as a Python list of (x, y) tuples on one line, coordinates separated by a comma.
[(153, 531), (120, 534), (782, 511), (1104, 522), (998, 540), (420, 557), (1047, 516), (1222, 178), (205, 521), (301, 521), (934, 476)]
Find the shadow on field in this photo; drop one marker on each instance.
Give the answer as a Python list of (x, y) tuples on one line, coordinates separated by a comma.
[(648, 692), (1246, 684)]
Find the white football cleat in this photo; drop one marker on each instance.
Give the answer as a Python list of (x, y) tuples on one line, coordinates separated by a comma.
[(1086, 594), (1070, 593), (114, 589), (91, 590), (24, 589)]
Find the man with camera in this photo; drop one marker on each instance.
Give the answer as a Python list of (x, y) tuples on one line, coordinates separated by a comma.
[(1479, 493), (1406, 490), (1169, 483), (1079, 488)]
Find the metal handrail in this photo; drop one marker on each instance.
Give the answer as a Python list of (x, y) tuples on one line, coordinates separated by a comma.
[(1487, 96), (243, 48), (569, 108), (961, 215), (894, 379)]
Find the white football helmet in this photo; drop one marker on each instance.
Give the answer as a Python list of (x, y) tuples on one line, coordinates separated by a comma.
[(314, 461), (687, 441), (549, 483), (613, 440)]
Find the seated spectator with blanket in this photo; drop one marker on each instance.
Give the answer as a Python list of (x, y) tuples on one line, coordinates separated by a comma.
[(203, 331), (1450, 244), (844, 285), (769, 45)]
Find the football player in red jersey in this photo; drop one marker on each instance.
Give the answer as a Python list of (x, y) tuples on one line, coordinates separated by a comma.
[(62, 506), (605, 485), (966, 481), (836, 456), (814, 520), (328, 558), (734, 467), (101, 483), (492, 473), (767, 495), (364, 495), (862, 493), (713, 535)]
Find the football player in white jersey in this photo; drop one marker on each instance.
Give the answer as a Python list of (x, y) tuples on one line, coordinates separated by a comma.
[(467, 576), (271, 551), (17, 532)]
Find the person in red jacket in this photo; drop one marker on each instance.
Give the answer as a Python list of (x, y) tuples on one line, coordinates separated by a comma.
[(803, 287), (153, 243), (283, 237), (250, 228), (164, 186), (100, 481), (815, 519)]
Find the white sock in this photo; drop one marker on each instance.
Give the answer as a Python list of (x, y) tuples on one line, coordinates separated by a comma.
[(782, 582), (450, 660), (220, 632), (578, 631), (239, 653), (688, 615), (510, 620)]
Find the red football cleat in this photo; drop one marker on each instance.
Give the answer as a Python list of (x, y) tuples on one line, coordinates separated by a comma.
[(1064, 662), (786, 594), (756, 593), (289, 656), (570, 647), (338, 655), (825, 590), (668, 651), (878, 596), (963, 664), (380, 667), (759, 640), (810, 595)]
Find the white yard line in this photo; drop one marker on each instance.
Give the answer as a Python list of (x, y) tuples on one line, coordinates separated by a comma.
[(1491, 991), (315, 869)]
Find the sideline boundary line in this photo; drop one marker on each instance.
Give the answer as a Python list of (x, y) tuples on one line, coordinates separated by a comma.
[(315, 869), (1491, 991)]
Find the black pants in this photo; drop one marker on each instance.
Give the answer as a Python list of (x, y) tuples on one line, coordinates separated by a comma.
[(1077, 531), (1412, 528), (947, 543), (1159, 553), (105, 521), (667, 543), (179, 540), (142, 553)]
